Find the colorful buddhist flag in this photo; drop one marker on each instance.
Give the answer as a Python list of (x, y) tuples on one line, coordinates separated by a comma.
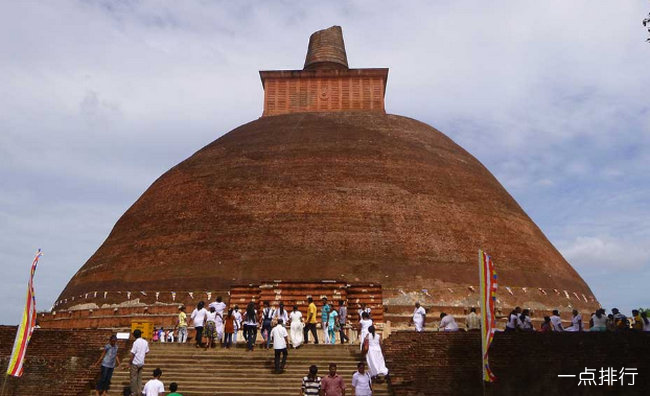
[(26, 327), (488, 282)]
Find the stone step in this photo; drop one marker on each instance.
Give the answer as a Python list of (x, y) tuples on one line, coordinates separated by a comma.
[(203, 379), (226, 376), (239, 352), (242, 345), (244, 387), (249, 357), (238, 372), (257, 391)]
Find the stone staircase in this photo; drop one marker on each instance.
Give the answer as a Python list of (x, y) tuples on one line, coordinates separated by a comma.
[(238, 372)]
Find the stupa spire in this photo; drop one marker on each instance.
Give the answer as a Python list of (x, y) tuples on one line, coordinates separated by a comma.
[(326, 83), (326, 50)]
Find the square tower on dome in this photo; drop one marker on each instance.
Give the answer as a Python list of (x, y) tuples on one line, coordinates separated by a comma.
[(326, 83)]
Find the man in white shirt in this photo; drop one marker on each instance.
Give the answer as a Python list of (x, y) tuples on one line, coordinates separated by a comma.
[(556, 321), (447, 322), (198, 317), (419, 317), (139, 350), (361, 381), (279, 336), (154, 387)]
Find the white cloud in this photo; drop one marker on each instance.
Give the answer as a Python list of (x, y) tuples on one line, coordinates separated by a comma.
[(594, 254)]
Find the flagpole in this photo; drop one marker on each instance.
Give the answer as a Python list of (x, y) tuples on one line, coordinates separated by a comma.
[(482, 307), (2, 393)]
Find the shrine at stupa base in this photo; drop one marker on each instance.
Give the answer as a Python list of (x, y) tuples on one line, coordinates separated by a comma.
[(162, 309)]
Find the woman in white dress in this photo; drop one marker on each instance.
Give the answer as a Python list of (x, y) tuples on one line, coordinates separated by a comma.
[(296, 327), (374, 356), (365, 323)]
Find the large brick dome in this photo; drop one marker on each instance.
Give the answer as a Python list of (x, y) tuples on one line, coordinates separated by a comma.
[(327, 186), (343, 196)]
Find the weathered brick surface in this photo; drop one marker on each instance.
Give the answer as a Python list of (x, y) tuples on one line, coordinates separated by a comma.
[(360, 197), (299, 91), (59, 362), (326, 49), (433, 363)]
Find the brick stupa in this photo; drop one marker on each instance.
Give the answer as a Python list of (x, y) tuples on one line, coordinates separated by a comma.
[(324, 189)]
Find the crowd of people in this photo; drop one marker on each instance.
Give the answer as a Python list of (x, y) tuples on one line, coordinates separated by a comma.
[(216, 325), (520, 320), (334, 385), (279, 329)]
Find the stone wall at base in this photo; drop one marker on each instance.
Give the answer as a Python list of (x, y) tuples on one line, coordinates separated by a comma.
[(438, 363), (59, 362)]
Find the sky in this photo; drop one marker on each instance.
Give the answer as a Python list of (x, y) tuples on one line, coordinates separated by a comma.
[(99, 98)]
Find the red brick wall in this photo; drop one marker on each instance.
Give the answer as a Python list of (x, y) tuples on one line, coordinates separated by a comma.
[(323, 91), (109, 317), (433, 363), (59, 362)]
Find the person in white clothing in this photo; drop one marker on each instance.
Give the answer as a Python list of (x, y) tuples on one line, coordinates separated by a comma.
[(211, 333), (238, 321), (250, 326), (363, 309), (598, 320), (139, 350), (419, 317), (170, 335), (576, 322), (198, 317), (361, 381), (366, 322), (280, 340), (447, 322), (513, 319), (374, 355), (296, 327), (219, 306), (220, 309), (281, 313), (525, 323), (154, 387), (556, 321)]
